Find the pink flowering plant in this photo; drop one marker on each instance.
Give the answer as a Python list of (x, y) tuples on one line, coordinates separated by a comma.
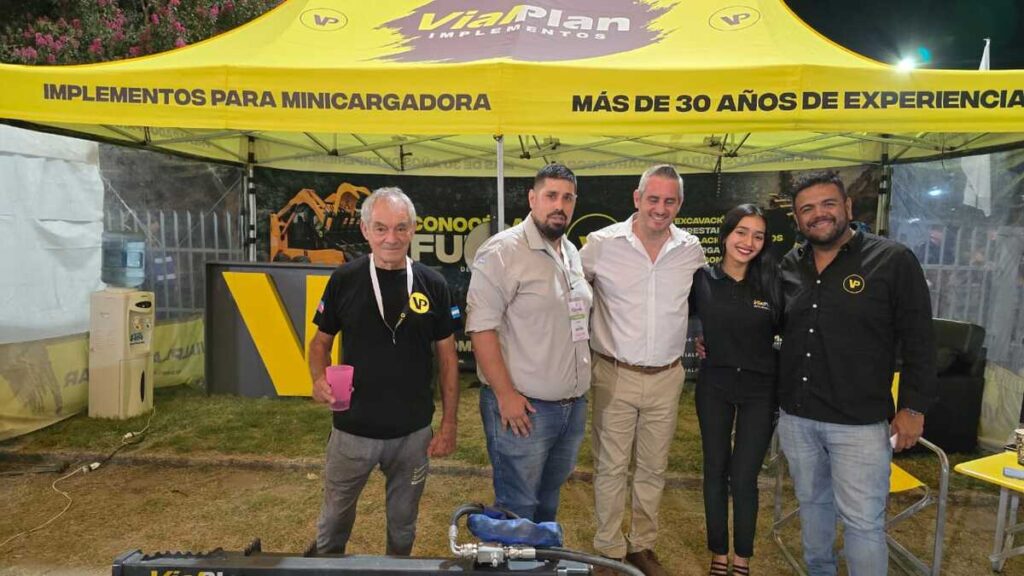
[(99, 30), (89, 31)]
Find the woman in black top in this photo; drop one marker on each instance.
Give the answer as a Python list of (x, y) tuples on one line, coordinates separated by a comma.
[(738, 303)]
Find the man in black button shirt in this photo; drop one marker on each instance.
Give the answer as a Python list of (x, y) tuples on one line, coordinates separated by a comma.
[(396, 316), (852, 299)]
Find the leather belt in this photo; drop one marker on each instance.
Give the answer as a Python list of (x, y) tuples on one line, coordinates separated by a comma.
[(563, 402), (641, 369)]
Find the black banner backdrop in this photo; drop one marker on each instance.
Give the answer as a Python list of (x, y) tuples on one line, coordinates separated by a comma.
[(450, 210)]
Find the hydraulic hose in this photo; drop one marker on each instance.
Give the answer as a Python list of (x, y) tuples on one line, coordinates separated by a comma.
[(464, 510), (592, 559), (467, 550), (499, 554)]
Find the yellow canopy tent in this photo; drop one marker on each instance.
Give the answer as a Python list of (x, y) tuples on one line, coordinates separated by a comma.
[(421, 87)]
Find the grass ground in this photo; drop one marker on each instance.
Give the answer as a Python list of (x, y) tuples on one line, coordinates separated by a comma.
[(164, 504), (190, 423)]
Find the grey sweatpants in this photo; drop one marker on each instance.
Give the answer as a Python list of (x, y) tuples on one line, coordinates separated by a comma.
[(350, 459)]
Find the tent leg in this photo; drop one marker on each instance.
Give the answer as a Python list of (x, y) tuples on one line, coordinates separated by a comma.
[(250, 215), (500, 142), (884, 195), (249, 189)]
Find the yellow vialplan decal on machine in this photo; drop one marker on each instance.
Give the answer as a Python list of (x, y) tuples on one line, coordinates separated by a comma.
[(272, 331)]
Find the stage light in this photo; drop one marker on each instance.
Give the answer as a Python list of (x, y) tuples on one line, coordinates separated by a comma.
[(906, 64)]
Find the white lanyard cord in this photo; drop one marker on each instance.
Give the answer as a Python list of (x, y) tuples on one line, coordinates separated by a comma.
[(376, 286)]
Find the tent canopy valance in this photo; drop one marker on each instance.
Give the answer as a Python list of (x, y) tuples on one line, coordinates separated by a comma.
[(421, 87)]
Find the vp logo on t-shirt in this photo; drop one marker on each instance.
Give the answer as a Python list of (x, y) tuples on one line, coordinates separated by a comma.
[(418, 303)]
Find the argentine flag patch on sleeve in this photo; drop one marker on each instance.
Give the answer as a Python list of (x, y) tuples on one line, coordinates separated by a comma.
[(455, 313)]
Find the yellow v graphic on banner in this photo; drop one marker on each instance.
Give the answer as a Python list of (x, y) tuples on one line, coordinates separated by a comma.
[(272, 331)]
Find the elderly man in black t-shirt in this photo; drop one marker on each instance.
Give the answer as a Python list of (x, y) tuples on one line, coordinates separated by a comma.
[(396, 316)]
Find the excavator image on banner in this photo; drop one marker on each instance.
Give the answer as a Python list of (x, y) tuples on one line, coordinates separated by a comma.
[(323, 231)]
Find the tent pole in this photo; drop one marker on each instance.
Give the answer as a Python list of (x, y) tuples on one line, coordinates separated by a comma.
[(249, 187), (884, 194), (250, 214), (500, 143)]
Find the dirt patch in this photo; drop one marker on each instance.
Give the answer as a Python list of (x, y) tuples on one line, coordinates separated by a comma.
[(160, 507)]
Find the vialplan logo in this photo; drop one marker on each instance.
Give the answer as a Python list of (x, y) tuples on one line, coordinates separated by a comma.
[(541, 31)]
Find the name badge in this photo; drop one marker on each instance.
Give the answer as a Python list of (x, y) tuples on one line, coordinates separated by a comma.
[(578, 320)]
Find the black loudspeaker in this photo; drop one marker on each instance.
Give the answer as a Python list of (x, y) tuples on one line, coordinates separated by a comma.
[(1021, 419), (952, 423)]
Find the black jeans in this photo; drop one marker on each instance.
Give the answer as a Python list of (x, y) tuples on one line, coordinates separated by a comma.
[(725, 395)]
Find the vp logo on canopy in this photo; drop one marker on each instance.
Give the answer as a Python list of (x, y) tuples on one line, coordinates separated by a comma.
[(323, 19), (734, 18)]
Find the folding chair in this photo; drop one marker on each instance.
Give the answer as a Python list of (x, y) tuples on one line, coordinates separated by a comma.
[(900, 481)]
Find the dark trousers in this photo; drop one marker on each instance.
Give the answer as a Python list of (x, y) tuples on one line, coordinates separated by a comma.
[(725, 396)]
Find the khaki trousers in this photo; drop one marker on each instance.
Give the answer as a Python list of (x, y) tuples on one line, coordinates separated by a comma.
[(633, 413)]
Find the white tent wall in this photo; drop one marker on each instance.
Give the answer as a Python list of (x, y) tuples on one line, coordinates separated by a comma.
[(51, 214), (51, 218)]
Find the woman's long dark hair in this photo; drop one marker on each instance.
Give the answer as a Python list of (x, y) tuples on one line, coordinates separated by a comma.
[(762, 271)]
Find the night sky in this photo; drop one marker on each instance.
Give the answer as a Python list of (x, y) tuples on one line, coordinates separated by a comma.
[(952, 30)]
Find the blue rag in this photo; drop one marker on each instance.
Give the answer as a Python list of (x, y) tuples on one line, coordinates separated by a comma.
[(495, 526)]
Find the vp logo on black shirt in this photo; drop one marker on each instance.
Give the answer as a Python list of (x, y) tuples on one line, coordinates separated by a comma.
[(854, 284)]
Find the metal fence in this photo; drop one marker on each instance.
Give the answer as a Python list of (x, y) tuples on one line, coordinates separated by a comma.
[(178, 245), (974, 274)]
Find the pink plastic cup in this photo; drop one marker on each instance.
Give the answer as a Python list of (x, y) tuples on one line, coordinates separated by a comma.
[(339, 377)]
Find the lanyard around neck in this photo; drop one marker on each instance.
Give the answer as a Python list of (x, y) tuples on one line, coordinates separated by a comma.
[(376, 285), (562, 262)]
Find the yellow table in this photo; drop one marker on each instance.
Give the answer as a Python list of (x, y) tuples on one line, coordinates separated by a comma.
[(990, 469)]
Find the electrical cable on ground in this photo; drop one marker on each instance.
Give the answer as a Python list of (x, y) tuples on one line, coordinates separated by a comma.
[(86, 468), (129, 439)]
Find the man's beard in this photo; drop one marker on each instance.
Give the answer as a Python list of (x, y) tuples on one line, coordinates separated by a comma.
[(551, 231), (837, 233)]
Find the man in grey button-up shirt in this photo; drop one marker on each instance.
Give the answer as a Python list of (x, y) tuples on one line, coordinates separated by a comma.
[(527, 314)]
